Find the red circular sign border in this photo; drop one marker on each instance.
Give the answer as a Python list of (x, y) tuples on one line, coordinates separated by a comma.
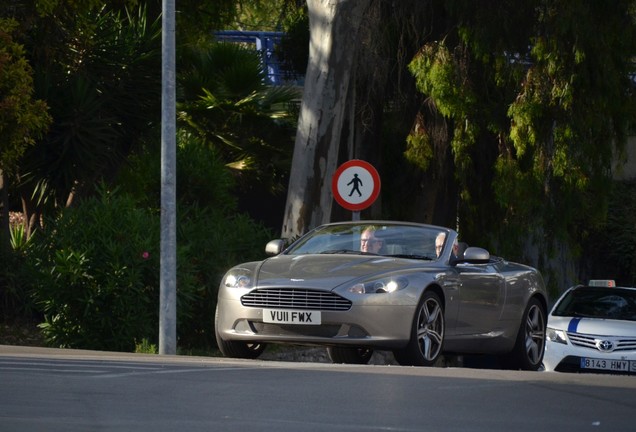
[(376, 183)]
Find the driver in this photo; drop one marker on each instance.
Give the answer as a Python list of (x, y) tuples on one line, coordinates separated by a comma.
[(369, 242)]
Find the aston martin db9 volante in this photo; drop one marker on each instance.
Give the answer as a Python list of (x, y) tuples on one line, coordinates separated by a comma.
[(409, 288), (592, 328)]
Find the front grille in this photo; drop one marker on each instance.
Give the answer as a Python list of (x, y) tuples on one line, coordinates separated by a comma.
[(294, 298), (589, 341)]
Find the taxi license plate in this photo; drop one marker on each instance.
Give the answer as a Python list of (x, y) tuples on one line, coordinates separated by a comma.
[(603, 364), (290, 316)]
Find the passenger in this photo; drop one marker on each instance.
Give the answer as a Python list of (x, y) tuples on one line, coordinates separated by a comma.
[(439, 245), (369, 242)]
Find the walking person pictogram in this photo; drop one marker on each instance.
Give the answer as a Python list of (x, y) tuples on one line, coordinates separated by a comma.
[(356, 185)]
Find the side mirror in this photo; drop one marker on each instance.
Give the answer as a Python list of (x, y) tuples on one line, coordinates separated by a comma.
[(475, 255), (274, 247)]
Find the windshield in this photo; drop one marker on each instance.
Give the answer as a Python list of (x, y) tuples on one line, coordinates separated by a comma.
[(406, 241), (598, 302)]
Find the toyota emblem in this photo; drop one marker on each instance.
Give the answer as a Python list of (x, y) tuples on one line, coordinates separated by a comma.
[(605, 345)]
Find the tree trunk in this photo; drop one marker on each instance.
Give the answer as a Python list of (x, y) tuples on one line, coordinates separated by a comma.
[(333, 27)]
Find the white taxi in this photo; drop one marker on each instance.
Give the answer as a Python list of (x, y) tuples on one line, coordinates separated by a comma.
[(592, 328)]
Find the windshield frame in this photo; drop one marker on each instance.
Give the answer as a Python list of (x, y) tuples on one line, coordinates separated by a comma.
[(398, 239)]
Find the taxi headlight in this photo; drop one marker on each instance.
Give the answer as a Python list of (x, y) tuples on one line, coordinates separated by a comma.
[(379, 286), (555, 335)]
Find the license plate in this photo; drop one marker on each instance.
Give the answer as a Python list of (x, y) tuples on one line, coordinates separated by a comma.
[(603, 364), (287, 316)]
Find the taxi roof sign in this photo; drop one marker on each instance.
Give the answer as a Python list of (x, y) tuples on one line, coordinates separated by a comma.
[(609, 283)]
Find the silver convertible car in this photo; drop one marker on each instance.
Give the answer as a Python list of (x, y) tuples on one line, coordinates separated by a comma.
[(356, 287)]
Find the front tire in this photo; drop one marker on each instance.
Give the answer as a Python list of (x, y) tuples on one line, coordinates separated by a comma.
[(427, 334), (528, 351), (237, 349), (349, 355)]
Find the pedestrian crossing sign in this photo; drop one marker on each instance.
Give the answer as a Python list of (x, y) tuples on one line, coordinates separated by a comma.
[(355, 185)]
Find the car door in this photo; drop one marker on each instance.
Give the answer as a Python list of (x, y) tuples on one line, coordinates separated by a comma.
[(482, 296)]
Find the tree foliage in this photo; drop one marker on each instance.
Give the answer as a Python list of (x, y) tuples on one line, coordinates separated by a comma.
[(540, 105), (611, 246), (262, 15), (522, 110), (100, 79), (22, 117), (224, 100)]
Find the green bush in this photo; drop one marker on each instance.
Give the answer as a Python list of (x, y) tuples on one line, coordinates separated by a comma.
[(212, 242), (15, 283), (98, 262), (211, 235), (202, 177)]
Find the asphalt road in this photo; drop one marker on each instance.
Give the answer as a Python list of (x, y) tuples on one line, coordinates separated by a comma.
[(69, 390)]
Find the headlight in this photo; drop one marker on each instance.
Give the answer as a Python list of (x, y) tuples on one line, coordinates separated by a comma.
[(238, 278), (556, 335), (386, 285)]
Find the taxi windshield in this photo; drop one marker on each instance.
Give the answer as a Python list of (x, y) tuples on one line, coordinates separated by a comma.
[(597, 302)]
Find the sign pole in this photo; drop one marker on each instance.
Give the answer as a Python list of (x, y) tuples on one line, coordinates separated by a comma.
[(168, 259)]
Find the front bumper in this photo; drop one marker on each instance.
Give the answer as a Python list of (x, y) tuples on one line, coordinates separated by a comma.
[(561, 357), (373, 325)]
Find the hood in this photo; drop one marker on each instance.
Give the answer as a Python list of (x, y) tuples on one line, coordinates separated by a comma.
[(324, 271), (594, 326)]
